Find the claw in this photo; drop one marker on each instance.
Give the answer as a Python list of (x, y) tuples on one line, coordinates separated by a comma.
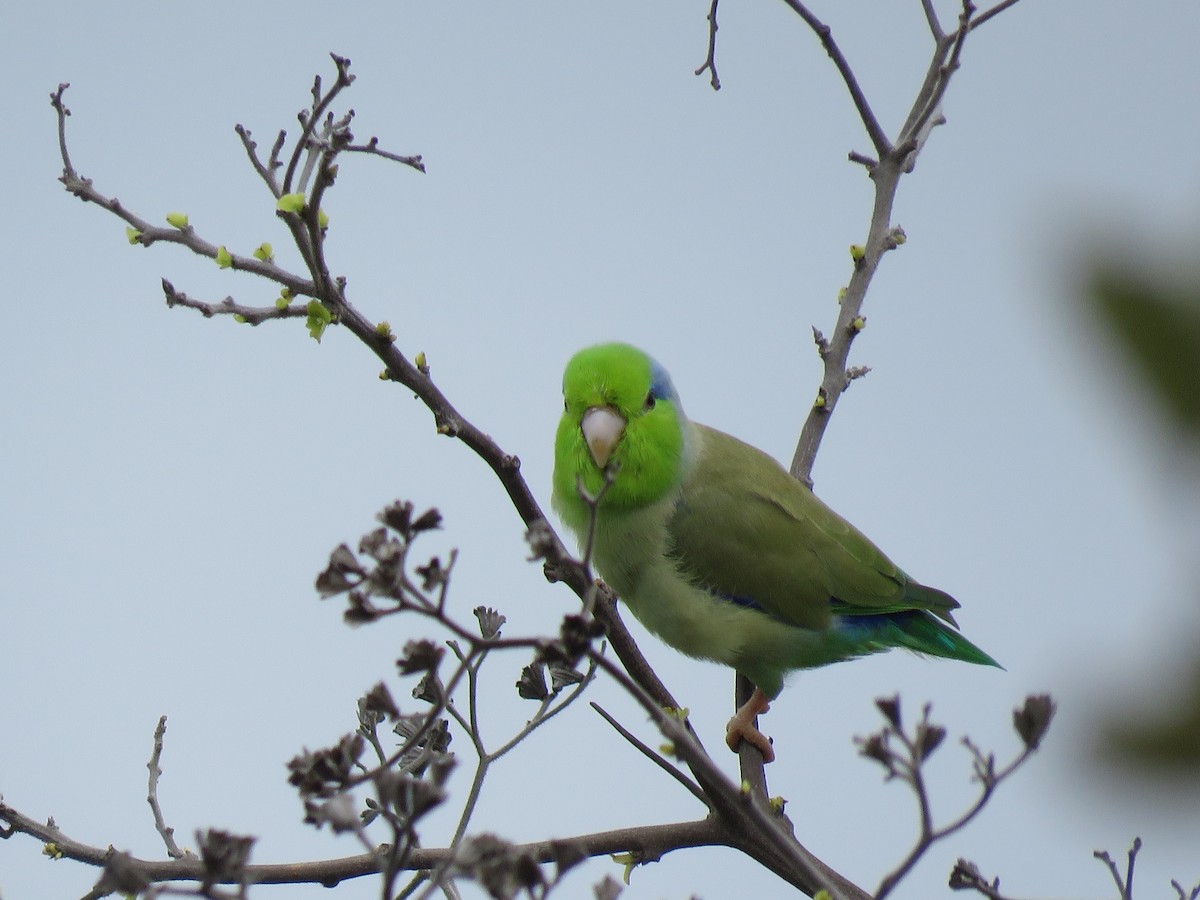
[(742, 728)]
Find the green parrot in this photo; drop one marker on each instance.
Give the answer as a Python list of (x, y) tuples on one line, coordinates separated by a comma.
[(716, 549)]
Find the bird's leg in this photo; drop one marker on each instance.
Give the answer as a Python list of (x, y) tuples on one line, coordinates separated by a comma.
[(741, 727)]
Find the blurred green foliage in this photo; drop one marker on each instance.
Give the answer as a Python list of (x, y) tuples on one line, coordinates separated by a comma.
[(1157, 321), (1153, 313)]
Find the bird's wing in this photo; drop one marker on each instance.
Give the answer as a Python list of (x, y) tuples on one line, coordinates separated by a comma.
[(748, 531)]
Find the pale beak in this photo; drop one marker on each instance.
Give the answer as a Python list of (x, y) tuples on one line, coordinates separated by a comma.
[(602, 429)]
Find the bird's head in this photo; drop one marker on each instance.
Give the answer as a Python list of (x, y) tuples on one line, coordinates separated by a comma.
[(620, 410)]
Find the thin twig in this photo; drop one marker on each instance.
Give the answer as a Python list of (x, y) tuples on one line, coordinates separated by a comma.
[(908, 766), (991, 13), (927, 111), (823, 32), (251, 315), (266, 174), (655, 758), (868, 162), (1124, 885), (371, 147), (146, 234), (931, 18), (485, 759), (965, 876), (320, 104), (710, 62), (160, 824), (552, 710)]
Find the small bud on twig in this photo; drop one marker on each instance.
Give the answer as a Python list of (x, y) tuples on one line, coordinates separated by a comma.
[(820, 340), (890, 707), (1033, 719)]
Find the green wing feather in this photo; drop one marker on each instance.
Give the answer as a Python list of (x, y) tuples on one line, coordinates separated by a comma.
[(746, 529)]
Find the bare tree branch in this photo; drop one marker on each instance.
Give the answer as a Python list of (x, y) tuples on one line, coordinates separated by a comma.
[(655, 758), (251, 315), (651, 841), (1031, 722), (309, 120), (894, 160), (1124, 885), (710, 63), (160, 825), (965, 876), (372, 148), (931, 18), (986, 15), (823, 32)]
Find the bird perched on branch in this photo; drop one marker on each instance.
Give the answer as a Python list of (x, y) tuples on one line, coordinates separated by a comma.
[(716, 549)]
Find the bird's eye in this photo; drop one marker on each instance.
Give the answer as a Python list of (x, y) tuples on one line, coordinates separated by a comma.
[(566, 405), (650, 401)]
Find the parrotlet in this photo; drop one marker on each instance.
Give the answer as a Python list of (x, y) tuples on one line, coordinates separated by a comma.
[(716, 549)]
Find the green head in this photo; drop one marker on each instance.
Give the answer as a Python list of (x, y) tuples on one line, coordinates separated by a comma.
[(619, 409)]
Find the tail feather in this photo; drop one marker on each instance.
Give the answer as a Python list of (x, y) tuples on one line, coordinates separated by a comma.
[(920, 632), (938, 602)]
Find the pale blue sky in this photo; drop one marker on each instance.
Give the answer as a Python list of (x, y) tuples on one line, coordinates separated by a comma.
[(171, 485)]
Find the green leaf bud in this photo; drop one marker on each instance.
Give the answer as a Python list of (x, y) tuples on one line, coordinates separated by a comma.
[(319, 318), (291, 203)]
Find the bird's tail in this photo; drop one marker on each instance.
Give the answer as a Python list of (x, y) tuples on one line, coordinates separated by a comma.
[(920, 632)]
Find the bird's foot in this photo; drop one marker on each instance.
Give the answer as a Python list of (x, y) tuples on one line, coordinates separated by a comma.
[(742, 728)]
